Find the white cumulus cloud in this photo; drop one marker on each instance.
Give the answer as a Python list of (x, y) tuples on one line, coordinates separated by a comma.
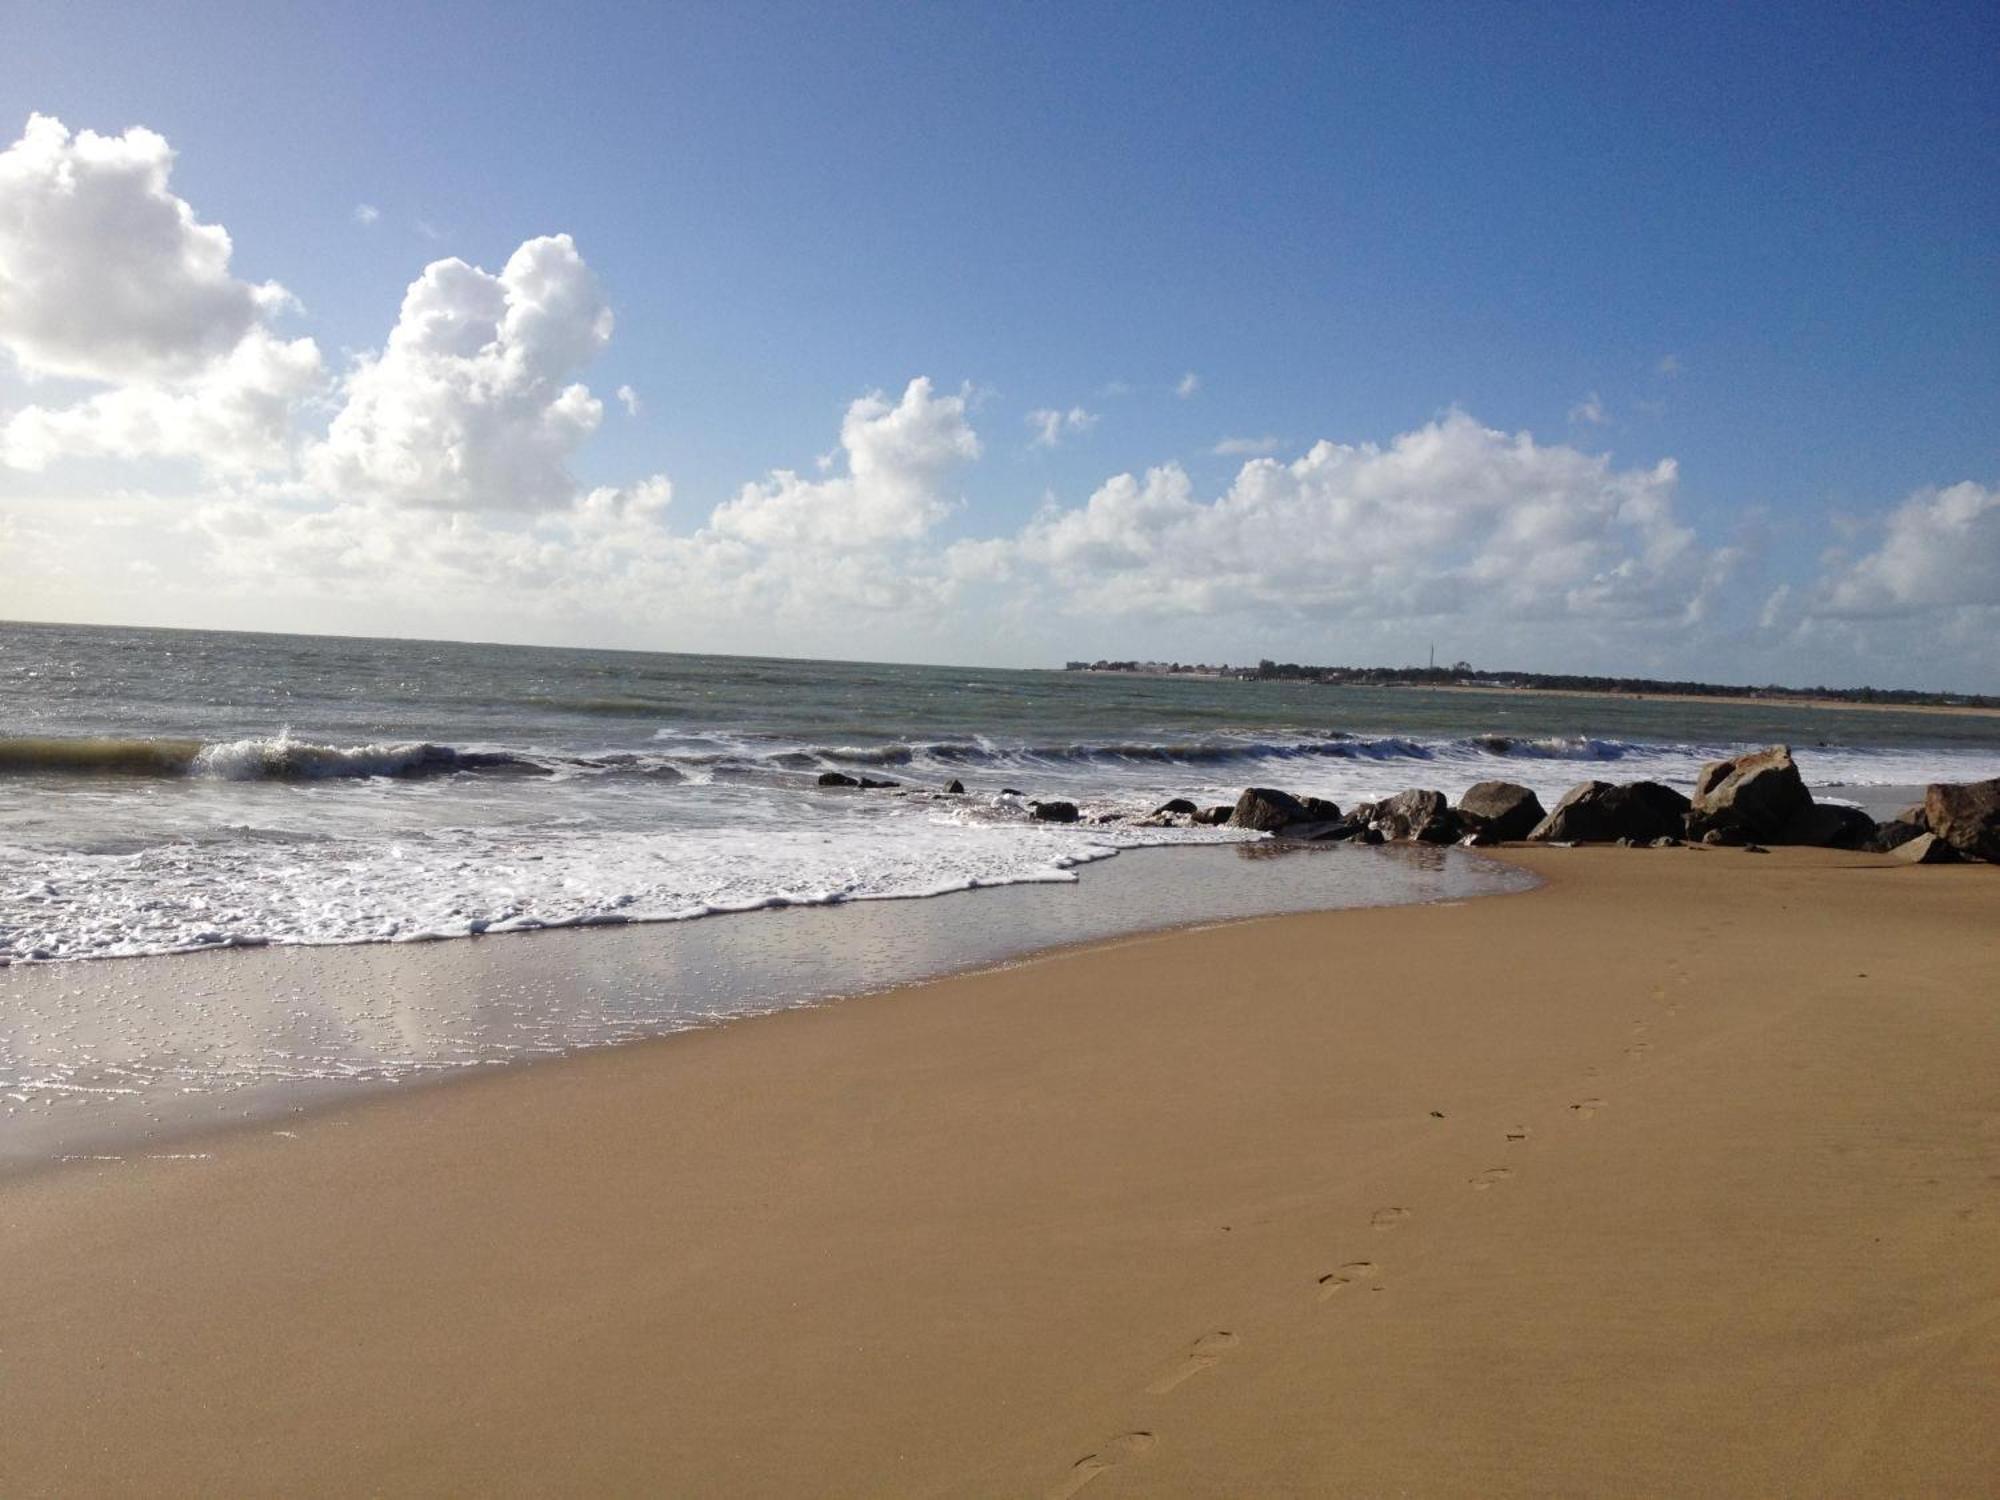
[(1246, 447), (470, 406), (1188, 385), (235, 417), (900, 459), (1453, 518), (105, 275), (1940, 550)]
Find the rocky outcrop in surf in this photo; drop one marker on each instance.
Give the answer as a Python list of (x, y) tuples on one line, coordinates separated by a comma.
[(1266, 810), (1500, 811)]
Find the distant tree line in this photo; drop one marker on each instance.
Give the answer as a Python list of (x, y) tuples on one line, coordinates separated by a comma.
[(1464, 674)]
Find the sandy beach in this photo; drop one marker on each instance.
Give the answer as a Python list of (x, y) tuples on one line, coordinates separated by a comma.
[(1678, 1175)]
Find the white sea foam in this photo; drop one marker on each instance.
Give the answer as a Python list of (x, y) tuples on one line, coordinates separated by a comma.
[(452, 882)]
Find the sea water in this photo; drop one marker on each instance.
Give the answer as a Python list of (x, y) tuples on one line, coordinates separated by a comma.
[(162, 791)]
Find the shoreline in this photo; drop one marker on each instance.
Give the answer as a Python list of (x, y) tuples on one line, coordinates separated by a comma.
[(1331, 1203), (286, 1029)]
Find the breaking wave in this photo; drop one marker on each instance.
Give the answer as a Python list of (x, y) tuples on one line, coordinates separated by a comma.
[(274, 758), (282, 757)]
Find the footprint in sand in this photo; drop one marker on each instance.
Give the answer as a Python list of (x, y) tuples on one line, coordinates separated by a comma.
[(1334, 1282), (1519, 1133), (1584, 1109), (1388, 1218), (1206, 1352), (1491, 1177), (1639, 1049), (1121, 1449)]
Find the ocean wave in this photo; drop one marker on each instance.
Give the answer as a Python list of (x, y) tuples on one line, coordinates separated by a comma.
[(1217, 752), (97, 755), (1313, 756), (273, 758), (283, 757)]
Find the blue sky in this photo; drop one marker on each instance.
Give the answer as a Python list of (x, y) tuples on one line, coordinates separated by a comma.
[(1758, 241)]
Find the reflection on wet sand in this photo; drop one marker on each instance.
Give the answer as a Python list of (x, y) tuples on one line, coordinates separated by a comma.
[(117, 1055)]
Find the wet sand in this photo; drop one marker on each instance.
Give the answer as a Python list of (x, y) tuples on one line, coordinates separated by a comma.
[(1680, 1175)]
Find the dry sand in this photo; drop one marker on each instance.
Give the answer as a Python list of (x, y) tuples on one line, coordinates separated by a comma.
[(1678, 1176)]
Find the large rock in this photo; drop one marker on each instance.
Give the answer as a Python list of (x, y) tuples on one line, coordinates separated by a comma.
[(1213, 817), (1830, 825), (1267, 810), (1967, 817), (1054, 812), (1421, 815), (1925, 849), (841, 778), (1895, 833), (1757, 795), (1176, 805), (1596, 812), (1499, 811)]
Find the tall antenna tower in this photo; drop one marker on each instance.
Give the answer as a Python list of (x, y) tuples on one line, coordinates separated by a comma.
[(1434, 656)]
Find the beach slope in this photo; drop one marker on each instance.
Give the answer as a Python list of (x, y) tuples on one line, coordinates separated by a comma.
[(1680, 1175)]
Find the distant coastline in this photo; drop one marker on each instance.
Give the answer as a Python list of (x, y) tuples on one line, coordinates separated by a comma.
[(1461, 677), (1974, 708)]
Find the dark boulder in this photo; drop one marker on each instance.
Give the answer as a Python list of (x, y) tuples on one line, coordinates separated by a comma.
[(1830, 825), (1757, 794), (838, 778), (1500, 810), (1054, 812), (1319, 810), (957, 787), (1966, 816), (1925, 849), (1266, 810), (1596, 812), (1213, 817), (1370, 835), (1895, 833), (1421, 815), (1179, 805)]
